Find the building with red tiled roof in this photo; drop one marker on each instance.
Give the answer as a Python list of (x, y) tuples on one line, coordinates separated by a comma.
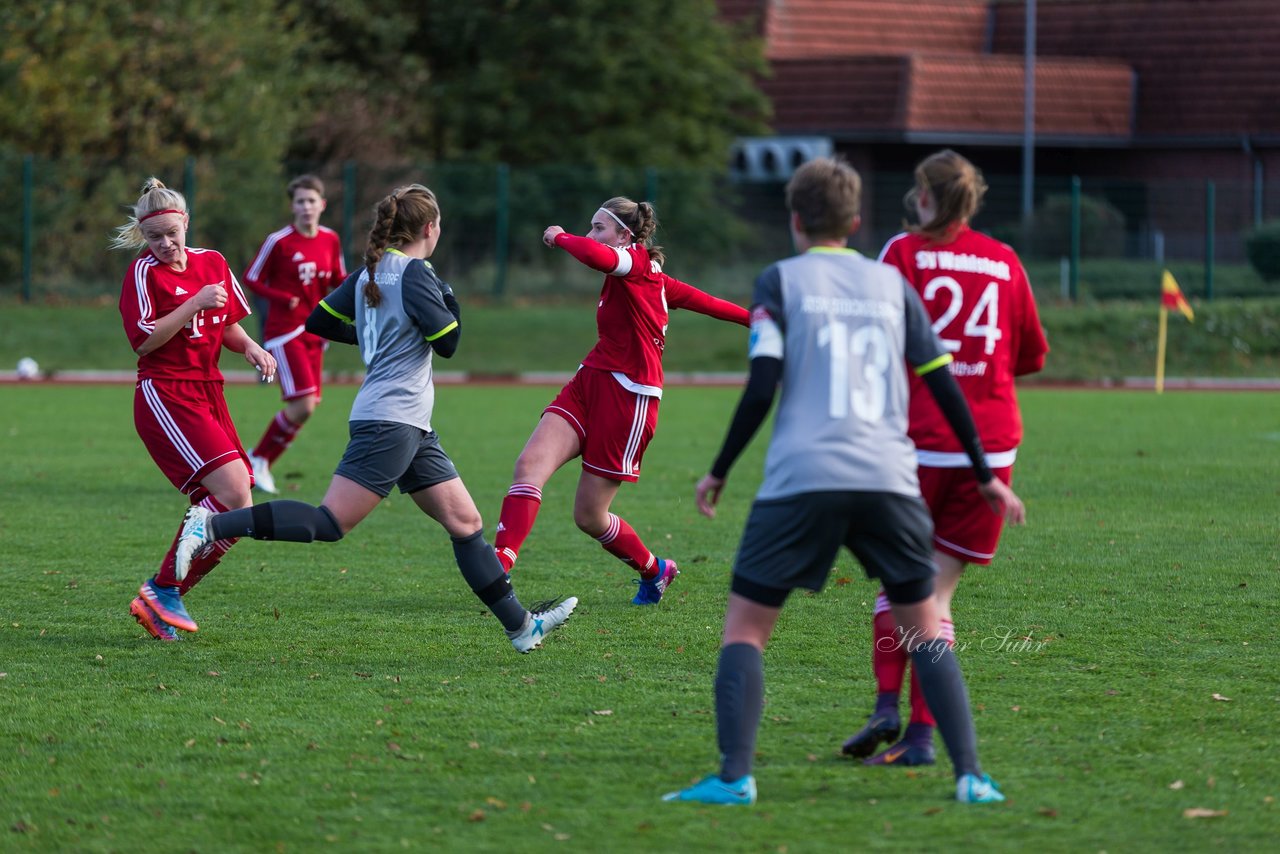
[(1134, 96)]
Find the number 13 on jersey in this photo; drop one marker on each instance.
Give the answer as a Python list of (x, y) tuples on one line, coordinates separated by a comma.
[(868, 349)]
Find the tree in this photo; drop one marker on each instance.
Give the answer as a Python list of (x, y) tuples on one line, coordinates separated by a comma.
[(660, 83), (106, 93), (152, 83), (368, 84)]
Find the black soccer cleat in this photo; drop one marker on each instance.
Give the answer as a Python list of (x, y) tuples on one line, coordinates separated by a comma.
[(880, 729)]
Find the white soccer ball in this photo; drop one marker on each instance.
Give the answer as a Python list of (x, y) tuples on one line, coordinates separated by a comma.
[(28, 369)]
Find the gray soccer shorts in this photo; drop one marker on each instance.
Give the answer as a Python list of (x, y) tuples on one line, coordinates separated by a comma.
[(792, 542), (382, 454)]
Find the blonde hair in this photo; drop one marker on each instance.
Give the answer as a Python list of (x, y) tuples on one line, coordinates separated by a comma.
[(397, 219), (641, 220), (155, 197), (826, 193), (957, 188)]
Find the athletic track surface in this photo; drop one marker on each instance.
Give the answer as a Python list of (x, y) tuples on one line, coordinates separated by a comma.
[(672, 379)]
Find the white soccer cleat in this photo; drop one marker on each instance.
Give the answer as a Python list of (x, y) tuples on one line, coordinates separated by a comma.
[(262, 478), (542, 620), (196, 535)]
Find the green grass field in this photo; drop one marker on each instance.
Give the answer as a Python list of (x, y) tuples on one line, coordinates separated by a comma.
[(356, 697)]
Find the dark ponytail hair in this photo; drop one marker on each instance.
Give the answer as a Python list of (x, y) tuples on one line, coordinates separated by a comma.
[(398, 219), (641, 220)]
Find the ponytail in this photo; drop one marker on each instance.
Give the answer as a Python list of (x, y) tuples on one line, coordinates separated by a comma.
[(397, 220), (641, 220), (957, 188)]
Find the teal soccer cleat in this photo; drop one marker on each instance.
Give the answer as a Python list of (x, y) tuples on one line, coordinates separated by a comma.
[(713, 790), (972, 789)]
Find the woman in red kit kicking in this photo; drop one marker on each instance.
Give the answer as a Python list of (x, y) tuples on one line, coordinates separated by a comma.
[(608, 412), (181, 306)]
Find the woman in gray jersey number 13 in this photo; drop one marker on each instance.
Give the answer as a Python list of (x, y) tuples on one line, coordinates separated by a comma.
[(836, 332)]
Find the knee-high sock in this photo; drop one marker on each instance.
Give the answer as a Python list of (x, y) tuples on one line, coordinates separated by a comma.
[(739, 703), (920, 713), (485, 576), (285, 520), (279, 435), (888, 656), (519, 510), (621, 541), (204, 564), (200, 566), (944, 689)]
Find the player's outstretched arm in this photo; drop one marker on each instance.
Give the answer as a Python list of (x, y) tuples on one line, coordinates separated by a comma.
[(597, 256), (684, 295)]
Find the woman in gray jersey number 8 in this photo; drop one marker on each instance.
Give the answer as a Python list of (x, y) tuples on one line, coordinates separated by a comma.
[(400, 313)]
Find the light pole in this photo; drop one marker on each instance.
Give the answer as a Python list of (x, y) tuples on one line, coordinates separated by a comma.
[(1029, 123)]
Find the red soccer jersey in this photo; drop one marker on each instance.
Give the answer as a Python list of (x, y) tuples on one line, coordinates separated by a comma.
[(289, 265), (976, 291), (152, 290), (631, 319)]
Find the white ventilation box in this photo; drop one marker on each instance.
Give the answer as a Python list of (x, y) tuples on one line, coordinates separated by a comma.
[(775, 158)]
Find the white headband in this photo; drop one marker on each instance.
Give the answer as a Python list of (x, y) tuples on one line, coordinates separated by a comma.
[(614, 217)]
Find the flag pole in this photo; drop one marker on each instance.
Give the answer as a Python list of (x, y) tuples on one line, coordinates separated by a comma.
[(1160, 342)]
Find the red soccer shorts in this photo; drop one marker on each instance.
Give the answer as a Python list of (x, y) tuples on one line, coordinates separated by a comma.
[(613, 423), (299, 362), (186, 428), (963, 524)]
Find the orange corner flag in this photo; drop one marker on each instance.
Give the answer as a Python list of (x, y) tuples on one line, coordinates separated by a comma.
[(1171, 296)]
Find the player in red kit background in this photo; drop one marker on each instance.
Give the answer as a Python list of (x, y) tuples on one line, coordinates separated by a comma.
[(983, 310), (608, 412), (180, 306), (295, 267)]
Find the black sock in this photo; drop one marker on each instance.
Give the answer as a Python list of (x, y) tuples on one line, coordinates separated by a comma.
[(739, 703), (484, 575), (944, 691), (284, 520)]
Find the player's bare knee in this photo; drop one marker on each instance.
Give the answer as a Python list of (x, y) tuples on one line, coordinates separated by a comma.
[(462, 525), (590, 523)]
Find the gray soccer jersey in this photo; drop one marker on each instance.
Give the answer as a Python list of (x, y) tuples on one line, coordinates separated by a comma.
[(395, 337), (842, 325)]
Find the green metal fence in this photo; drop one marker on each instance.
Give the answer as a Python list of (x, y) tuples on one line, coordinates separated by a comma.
[(57, 216)]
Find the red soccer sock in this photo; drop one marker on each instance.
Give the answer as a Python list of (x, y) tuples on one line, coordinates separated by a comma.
[(519, 510), (920, 713), (621, 541), (276, 440), (888, 649), (202, 566)]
